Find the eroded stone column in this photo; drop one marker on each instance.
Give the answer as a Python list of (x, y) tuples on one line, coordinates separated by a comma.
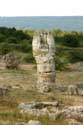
[(44, 53)]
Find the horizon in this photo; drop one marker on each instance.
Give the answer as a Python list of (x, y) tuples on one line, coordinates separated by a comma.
[(65, 23), (46, 16)]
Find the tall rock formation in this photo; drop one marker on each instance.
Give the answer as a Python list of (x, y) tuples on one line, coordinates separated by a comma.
[(44, 54)]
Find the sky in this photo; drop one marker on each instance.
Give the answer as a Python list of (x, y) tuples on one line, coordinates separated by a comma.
[(41, 7)]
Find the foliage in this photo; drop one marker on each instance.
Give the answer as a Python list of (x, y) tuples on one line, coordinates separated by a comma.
[(20, 41), (28, 58), (61, 60), (5, 48), (71, 40), (76, 56)]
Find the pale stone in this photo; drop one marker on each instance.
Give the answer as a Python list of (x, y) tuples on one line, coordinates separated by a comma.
[(44, 53), (34, 122), (54, 113), (73, 90), (74, 122)]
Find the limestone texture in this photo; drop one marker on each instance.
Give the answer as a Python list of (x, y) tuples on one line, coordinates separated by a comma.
[(34, 122), (44, 53)]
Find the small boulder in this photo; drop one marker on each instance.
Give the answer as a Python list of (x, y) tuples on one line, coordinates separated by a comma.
[(34, 122), (11, 61), (3, 91), (73, 90)]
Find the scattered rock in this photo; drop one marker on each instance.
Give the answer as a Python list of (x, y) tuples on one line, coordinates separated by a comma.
[(37, 108), (34, 122), (4, 91), (70, 112), (21, 123), (38, 105), (74, 122), (73, 90), (17, 86), (51, 109)]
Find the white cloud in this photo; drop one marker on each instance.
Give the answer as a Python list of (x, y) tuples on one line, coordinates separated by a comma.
[(40, 7)]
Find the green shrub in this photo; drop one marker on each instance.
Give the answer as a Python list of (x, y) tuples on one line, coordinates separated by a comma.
[(76, 56), (29, 58), (71, 40), (61, 63), (25, 46), (61, 60), (2, 38), (5, 48)]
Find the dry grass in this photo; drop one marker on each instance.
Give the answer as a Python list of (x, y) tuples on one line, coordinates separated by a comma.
[(25, 78), (66, 78)]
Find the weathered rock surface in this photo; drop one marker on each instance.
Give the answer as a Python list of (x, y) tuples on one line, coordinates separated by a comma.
[(37, 108), (34, 122), (44, 53), (74, 122), (69, 112), (31, 122), (73, 90), (4, 91), (11, 61), (38, 105), (51, 109)]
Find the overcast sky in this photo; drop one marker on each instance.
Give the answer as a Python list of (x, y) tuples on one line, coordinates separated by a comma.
[(41, 7)]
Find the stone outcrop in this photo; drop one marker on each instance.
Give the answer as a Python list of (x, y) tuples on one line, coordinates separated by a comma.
[(44, 53), (72, 112), (73, 90), (37, 108), (74, 122), (52, 110), (11, 61)]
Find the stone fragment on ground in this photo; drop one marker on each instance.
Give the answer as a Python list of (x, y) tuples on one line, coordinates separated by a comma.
[(73, 90), (74, 122), (37, 108), (42, 108), (34, 122)]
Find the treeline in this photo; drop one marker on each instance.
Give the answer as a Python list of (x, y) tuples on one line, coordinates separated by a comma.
[(69, 48), (69, 45), (17, 41)]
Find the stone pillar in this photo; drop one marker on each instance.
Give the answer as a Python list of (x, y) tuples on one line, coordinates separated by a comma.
[(44, 54)]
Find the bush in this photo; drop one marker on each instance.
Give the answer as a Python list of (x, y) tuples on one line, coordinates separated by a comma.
[(61, 60), (11, 40), (2, 38), (5, 48), (29, 58), (25, 46), (76, 56), (71, 40), (61, 63)]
